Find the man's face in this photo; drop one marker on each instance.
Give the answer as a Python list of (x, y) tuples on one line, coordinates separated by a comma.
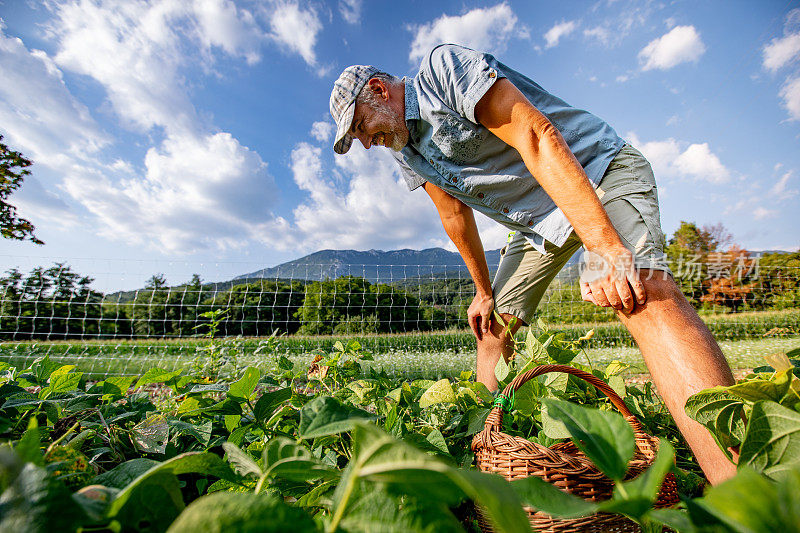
[(378, 120)]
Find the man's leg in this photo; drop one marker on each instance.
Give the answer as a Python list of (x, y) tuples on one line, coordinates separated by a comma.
[(683, 358), (521, 280)]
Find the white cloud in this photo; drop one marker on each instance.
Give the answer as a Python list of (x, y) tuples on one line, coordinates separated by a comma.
[(295, 28), (323, 130), (197, 193), (781, 51), (790, 92), (599, 33), (486, 29), (38, 115), (562, 29), (760, 213), (680, 45), (350, 10), (670, 161), (780, 191)]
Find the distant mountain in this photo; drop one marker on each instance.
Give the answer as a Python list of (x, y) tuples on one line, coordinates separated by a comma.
[(374, 265), (378, 265)]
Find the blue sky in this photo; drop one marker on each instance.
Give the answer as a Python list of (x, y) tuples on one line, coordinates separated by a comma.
[(194, 136)]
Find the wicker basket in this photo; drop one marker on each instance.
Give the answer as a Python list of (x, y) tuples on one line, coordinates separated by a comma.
[(563, 464)]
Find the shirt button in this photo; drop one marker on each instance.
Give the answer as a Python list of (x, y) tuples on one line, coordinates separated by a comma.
[(480, 195), (530, 223), (505, 210), (453, 180), (492, 74)]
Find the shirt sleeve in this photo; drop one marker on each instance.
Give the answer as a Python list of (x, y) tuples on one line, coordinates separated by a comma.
[(459, 76), (413, 180)]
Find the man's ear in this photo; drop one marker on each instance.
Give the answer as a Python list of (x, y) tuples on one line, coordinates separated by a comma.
[(379, 88)]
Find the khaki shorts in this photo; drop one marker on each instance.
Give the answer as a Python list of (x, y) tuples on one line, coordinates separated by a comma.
[(629, 195)]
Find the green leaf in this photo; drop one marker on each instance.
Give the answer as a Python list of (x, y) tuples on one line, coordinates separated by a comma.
[(758, 389), (63, 382), (122, 474), (476, 419), (151, 434), (29, 447), (436, 438), (439, 392), (223, 512), (269, 401), (605, 437), (552, 427), (42, 368), (752, 503), (328, 416), (501, 370), (721, 413), (244, 387), (286, 459), (772, 442), (201, 432), (190, 462), (543, 496), (116, 387), (380, 458), (673, 519), (635, 498), (156, 375), (242, 463)]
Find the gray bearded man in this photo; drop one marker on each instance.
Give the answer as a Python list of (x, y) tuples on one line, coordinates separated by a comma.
[(476, 134)]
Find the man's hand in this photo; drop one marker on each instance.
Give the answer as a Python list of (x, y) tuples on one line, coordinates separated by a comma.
[(480, 313), (612, 281)]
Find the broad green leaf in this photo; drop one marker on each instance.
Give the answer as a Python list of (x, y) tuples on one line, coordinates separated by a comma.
[(42, 368), (201, 432), (223, 512), (33, 501), (286, 459), (535, 350), (635, 498), (379, 457), (29, 447), (328, 416), (151, 434), (122, 474), (269, 401), (752, 503), (439, 392), (605, 437), (760, 389), (720, 412), (436, 438), (240, 460), (501, 369), (553, 427), (117, 386), (156, 375), (63, 382), (476, 419), (190, 462), (156, 501), (772, 442), (363, 388), (244, 387), (543, 496)]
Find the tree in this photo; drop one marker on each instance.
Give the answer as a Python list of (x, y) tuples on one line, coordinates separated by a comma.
[(156, 281), (13, 169)]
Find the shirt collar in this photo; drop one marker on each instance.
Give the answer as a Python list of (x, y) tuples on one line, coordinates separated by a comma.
[(412, 104)]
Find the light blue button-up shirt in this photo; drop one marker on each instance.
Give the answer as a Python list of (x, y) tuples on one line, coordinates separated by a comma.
[(451, 150)]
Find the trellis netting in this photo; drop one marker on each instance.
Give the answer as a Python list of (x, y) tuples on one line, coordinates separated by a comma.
[(127, 316)]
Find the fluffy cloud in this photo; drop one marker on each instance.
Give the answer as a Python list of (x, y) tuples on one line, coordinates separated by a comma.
[(350, 10), (196, 193), (780, 190), (39, 115), (295, 28), (790, 92), (695, 162), (486, 29), (323, 131), (562, 29), (680, 45), (761, 212), (781, 51)]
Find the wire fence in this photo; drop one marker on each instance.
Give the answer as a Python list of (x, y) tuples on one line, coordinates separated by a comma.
[(410, 314)]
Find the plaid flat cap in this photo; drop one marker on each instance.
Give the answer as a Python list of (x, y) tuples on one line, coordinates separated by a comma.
[(343, 102)]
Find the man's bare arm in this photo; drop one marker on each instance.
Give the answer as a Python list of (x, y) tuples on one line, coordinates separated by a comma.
[(459, 223), (506, 112)]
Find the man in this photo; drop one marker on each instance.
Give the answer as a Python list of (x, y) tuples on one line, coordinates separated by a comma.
[(476, 134)]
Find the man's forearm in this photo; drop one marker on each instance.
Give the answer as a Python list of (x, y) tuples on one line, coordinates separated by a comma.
[(564, 180), (463, 231)]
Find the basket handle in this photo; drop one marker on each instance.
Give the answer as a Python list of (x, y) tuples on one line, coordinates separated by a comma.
[(494, 421)]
